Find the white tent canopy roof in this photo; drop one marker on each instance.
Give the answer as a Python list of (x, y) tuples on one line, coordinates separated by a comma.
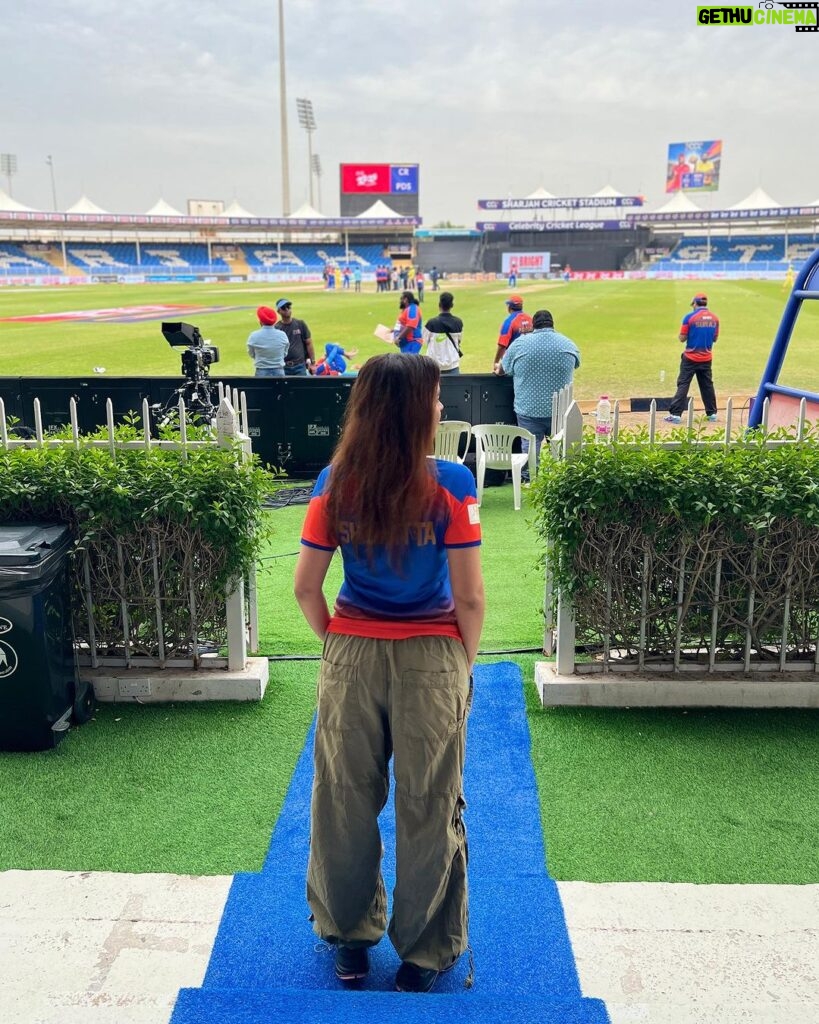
[(379, 209), (162, 209), (678, 203), (9, 204), (757, 200), (305, 212), (606, 192), (540, 193), (236, 210), (84, 205)]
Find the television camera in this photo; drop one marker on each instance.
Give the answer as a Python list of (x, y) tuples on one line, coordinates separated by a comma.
[(197, 359)]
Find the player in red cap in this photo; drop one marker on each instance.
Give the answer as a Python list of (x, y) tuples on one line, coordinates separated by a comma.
[(516, 322), (699, 332)]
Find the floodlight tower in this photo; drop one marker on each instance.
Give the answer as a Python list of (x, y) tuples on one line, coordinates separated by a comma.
[(308, 122), (316, 163), (50, 162), (283, 117), (8, 167)]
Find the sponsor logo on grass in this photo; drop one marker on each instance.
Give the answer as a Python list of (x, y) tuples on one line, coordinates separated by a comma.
[(804, 17), (121, 314)]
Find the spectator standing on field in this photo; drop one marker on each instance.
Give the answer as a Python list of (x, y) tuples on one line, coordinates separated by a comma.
[(540, 364), (419, 284), (442, 336), (357, 277), (300, 358), (268, 346), (699, 332)]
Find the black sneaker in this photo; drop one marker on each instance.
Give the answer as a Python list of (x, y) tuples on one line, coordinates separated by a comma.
[(412, 978), (352, 962)]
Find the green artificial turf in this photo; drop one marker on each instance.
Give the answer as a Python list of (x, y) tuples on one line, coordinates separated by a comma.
[(669, 795), (626, 795), (626, 330), (512, 576), (181, 788)]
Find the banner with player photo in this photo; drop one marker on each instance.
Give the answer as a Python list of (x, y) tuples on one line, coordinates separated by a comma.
[(693, 166)]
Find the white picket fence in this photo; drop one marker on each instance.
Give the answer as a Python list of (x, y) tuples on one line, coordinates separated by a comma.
[(241, 605), (560, 629)]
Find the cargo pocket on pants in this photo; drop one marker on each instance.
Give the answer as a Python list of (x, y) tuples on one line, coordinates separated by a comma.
[(339, 700), (433, 711), (433, 704)]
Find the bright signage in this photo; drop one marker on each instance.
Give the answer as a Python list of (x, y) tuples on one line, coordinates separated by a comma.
[(379, 179)]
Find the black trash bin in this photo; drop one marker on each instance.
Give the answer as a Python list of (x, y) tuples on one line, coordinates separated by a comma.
[(40, 692)]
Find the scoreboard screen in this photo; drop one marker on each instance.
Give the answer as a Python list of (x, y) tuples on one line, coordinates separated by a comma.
[(361, 185)]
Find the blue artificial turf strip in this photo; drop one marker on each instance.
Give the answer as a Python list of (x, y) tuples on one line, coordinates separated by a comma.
[(200, 1006), (267, 964)]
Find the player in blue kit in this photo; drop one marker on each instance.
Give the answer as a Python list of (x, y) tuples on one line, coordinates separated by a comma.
[(409, 329), (698, 332)]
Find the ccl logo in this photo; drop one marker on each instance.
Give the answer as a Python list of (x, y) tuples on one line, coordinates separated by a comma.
[(8, 655)]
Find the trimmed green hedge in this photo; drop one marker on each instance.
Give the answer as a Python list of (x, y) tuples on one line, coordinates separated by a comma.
[(629, 518), (194, 521)]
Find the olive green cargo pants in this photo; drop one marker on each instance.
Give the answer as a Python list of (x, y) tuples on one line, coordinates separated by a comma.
[(408, 699)]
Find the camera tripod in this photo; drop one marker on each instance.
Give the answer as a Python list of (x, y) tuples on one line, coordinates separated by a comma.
[(195, 394)]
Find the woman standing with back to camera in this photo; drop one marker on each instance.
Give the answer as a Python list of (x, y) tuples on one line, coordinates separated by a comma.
[(396, 675)]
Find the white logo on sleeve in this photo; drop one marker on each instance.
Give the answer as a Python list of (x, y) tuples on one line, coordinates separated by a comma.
[(474, 515)]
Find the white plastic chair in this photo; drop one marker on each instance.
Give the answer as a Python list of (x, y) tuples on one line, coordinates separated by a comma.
[(493, 447), (448, 440)]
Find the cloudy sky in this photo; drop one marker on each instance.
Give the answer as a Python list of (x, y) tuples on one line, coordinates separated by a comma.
[(180, 99)]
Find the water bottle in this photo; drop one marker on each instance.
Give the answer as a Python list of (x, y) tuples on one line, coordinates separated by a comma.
[(602, 426)]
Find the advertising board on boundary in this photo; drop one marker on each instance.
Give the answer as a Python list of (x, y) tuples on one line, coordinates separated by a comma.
[(526, 264)]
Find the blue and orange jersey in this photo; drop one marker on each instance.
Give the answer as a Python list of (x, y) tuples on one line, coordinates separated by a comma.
[(410, 339), (700, 329), (379, 600), (512, 326), (332, 364)]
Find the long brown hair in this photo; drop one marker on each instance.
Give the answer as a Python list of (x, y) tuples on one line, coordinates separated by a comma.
[(380, 478)]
